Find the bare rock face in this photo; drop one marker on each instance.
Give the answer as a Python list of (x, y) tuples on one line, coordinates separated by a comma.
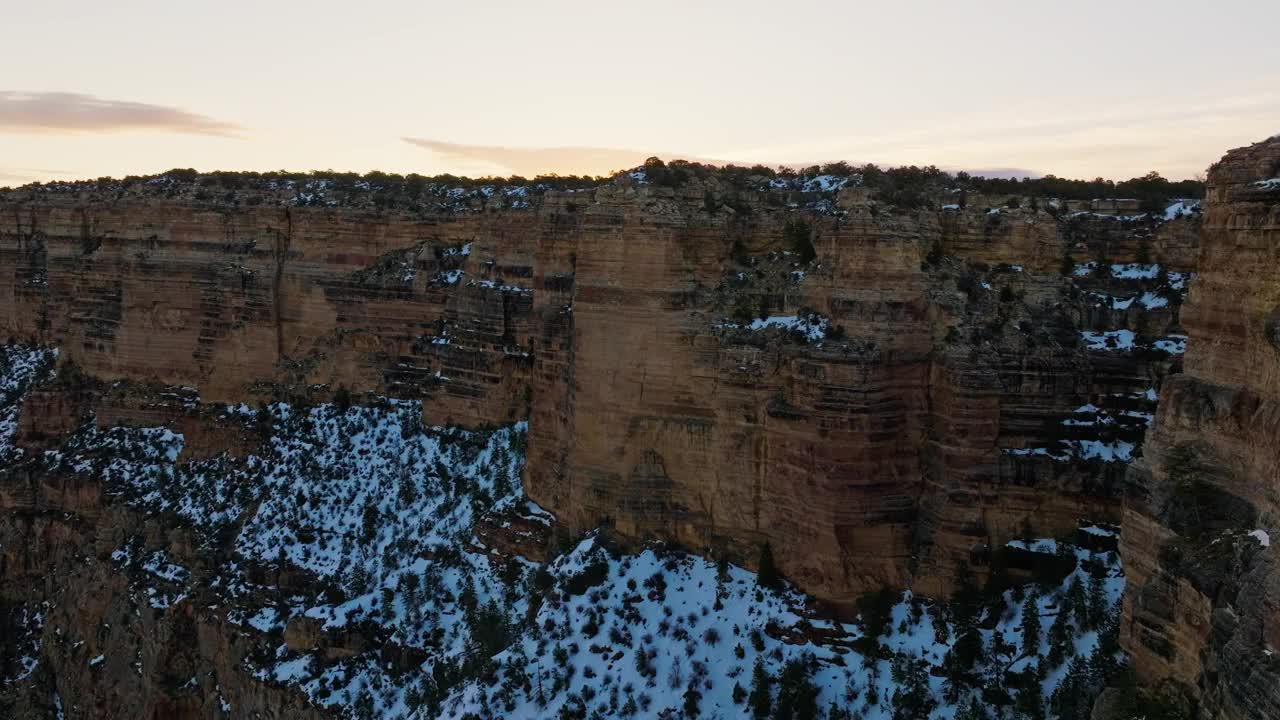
[(908, 442), (1203, 605), (882, 396), (242, 303), (916, 394)]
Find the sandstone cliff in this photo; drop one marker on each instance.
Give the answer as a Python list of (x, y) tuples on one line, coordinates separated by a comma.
[(882, 396), (1198, 520), (897, 405), (350, 562)]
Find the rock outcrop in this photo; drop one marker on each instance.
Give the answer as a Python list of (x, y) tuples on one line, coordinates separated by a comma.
[(242, 302), (1203, 606), (881, 457)]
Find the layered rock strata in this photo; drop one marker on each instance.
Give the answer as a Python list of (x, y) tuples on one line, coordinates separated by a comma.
[(1202, 605), (930, 383)]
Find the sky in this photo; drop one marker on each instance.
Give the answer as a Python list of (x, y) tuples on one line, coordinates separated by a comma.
[(476, 87)]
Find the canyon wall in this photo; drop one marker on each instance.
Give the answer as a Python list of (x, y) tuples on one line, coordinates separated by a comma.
[(881, 457), (1203, 605), (930, 384), (246, 303)]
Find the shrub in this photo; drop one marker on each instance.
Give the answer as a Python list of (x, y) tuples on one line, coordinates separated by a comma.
[(692, 698), (591, 576), (342, 399)]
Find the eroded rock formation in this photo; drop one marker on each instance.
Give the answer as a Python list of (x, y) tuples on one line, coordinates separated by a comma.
[(1201, 609), (878, 414)]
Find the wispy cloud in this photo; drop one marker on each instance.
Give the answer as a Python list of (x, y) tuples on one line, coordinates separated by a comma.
[(535, 161), (1123, 140), (62, 112), (21, 176)]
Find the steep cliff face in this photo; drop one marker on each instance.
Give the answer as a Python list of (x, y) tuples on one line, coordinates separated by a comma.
[(1198, 521), (881, 395), (250, 302), (927, 429)]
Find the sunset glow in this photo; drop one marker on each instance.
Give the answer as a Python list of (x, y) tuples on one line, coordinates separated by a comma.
[(575, 87)]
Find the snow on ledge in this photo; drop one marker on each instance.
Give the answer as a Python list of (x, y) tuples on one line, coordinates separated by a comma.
[(1135, 271), (1110, 340), (813, 327), (1174, 344)]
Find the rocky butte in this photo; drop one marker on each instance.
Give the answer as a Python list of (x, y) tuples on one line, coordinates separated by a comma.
[(304, 439)]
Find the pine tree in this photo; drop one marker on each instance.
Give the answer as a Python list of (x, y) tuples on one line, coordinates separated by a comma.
[(1103, 662), (797, 695), (1098, 605), (1031, 625), (1075, 600), (959, 662), (1073, 700), (913, 698), (966, 599), (760, 700), (1030, 701), (768, 574), (1059, 639)]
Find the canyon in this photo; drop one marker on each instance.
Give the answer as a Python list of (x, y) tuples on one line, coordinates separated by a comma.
[(794, 372)]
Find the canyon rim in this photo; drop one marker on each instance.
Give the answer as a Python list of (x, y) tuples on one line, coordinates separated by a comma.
[(685, 441)]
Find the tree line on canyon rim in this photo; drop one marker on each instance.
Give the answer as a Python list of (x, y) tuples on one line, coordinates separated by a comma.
[(906, 187)]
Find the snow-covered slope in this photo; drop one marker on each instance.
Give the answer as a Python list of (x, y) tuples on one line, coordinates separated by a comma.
[(405, 612)]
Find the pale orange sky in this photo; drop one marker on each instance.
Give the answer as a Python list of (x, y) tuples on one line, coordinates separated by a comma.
[(1076, 89)]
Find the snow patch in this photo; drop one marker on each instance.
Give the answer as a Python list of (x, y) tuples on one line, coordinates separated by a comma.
[(1108, 340), (1174, 344), (1135, 271), (813, 327), (448, 277), (1182, 208)]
